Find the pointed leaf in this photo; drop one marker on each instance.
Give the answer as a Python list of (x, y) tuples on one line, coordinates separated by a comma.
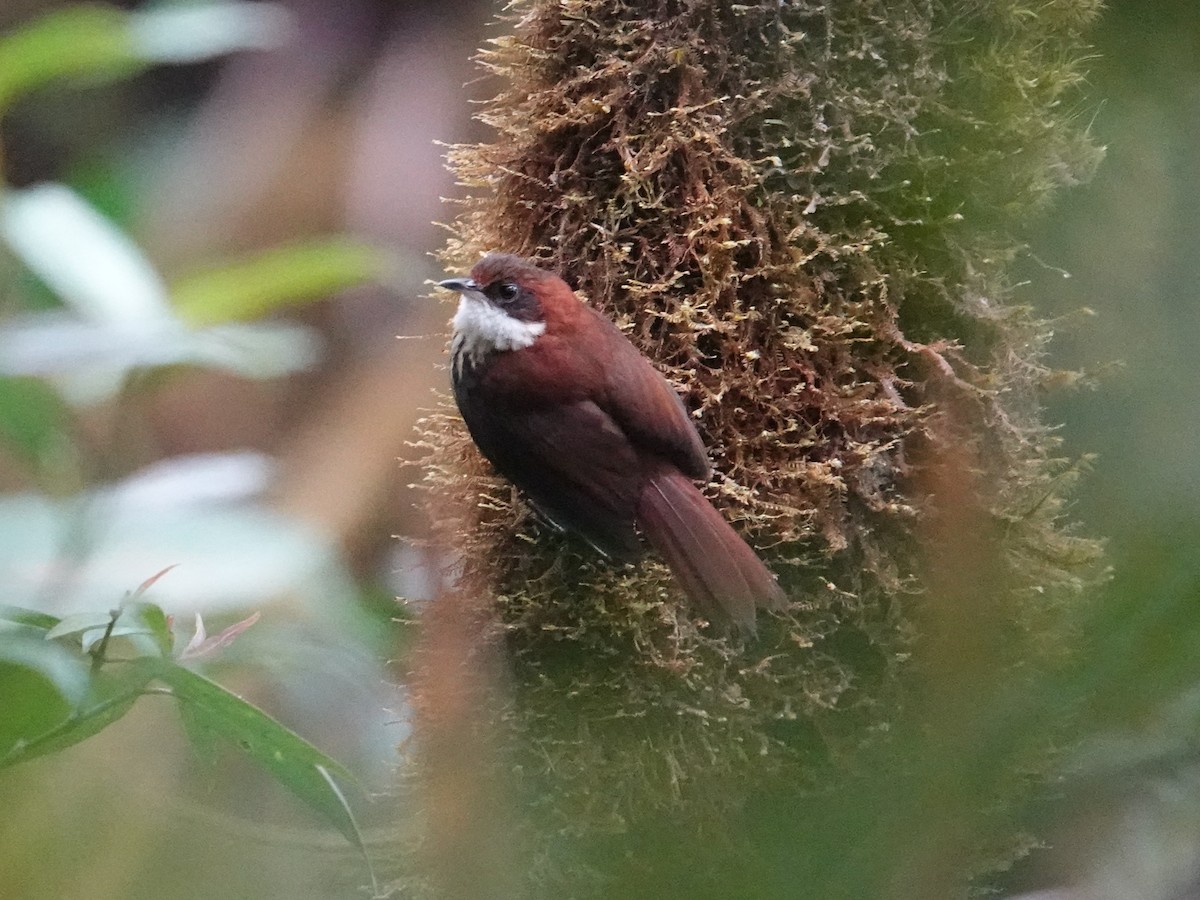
[(28, 617), (93, 266), (198, 639), (295, 763), (78, 623), (150, 582), (200, 646)]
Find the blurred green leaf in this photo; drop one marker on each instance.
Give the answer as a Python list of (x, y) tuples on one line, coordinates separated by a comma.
[(251, 288), (138, 635), (296, 764), (86, 40), (156, 623), (201, 733), (78, 623), (110, 694), (40, 684), (103, 43), (137, 618), (106, 186), (28, 617), (85, 259), (33, 421)]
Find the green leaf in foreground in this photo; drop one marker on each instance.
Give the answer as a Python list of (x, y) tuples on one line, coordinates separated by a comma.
[(155, 622), (296, 764), (88, 40), (30, 618), (110, 694), (286, 276), (40, 684), (78, 623), (103, 43)]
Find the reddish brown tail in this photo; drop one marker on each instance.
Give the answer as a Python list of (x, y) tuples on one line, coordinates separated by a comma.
[(716, 568)]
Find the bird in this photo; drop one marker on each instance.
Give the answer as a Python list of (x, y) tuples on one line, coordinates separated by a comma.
[(565, 407)]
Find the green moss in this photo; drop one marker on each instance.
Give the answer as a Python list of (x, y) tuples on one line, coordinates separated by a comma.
[(802, 213)]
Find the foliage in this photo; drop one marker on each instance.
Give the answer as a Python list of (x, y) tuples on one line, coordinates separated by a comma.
[(62, 680), (66, 679)]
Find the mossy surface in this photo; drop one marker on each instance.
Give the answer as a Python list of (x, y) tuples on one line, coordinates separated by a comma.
[(802, 213)]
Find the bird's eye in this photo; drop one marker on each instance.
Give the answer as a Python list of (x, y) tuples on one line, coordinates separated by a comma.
[(506, 291)]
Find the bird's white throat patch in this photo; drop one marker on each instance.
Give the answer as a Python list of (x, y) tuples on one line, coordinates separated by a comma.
[(480, 328)]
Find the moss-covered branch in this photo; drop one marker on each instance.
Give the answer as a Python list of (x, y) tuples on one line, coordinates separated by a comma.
[(802, 213)]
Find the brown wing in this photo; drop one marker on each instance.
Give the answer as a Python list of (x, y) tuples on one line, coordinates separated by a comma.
[(645, 406)]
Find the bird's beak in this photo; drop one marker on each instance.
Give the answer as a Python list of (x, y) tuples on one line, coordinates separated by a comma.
[(462, 285)]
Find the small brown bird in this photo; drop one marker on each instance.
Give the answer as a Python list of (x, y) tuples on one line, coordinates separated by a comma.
[(566, 408)]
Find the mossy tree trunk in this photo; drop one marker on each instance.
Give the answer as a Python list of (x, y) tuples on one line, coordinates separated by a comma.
[(802, 212)]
